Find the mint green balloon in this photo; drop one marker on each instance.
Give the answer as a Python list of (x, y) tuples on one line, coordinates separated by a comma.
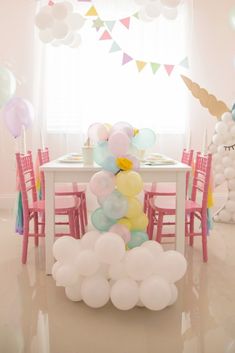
[(100, 221), (7, 85), (145, 138), (101, 153), (137, 238)]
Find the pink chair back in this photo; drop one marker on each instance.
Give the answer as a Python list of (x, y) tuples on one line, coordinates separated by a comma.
[(43, 157), (201, 178), (26, 179), (187, 158)]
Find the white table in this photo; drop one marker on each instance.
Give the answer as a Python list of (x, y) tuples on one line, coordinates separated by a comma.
[(56, 171)]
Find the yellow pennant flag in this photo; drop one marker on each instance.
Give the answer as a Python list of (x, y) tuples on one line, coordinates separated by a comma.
[(140, 65), (92, 12)]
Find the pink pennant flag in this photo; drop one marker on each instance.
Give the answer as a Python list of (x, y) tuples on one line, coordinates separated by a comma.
[(105, 36), (126, 22), (169, 69), (126, 58), (50, 3)]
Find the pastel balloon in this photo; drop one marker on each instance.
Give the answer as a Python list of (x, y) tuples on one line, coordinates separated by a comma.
[(66, 248), (137, 238), (101, 153), (115, 205), (145, 138), (7, 85), (100, 221), (121, 230), (95, 291), (129, 183), (110, 248), (102, 183), (89, 239), (139, 263), (87, 263), (124, 294), (110, 165), (134, 160), (125, 222), (170, 265), (98, 132), (66, 275), (124, 127), (74, 292), (118, 143), (139, 222), (134, 207)]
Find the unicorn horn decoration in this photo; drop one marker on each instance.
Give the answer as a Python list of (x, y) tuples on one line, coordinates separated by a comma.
[(222, 147)]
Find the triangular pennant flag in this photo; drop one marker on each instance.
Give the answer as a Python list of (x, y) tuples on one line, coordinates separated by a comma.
[(140, 65), (92, 12), (169, 69), (114, 47), (84, 0), (125, 22), (136, 15), (155, 67), (126, 58), (184, 63), (105, 36), (110, 25)]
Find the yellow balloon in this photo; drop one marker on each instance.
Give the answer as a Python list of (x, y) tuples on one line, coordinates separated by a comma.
[(125, 222), (134, 207), (129, 183), (140, 222)]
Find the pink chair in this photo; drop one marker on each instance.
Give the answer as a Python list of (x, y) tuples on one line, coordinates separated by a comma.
[(167, 189), (35, 209), (74, 189), (196, 207)]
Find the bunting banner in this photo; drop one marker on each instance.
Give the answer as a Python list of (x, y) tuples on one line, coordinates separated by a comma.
[(107, 28)]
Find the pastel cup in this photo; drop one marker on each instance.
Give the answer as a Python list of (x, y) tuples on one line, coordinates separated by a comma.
[(87, 153)]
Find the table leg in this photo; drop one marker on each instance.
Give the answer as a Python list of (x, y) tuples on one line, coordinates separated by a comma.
[(50, 220), (180, 212)]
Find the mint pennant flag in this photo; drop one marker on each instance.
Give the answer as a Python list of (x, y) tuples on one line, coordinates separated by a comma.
[(184, 63), (114, 47), (110, 25)]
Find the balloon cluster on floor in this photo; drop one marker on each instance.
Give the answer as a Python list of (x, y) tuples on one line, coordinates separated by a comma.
[(152, 9), (17, 112), (117, 261), (119, 183), (223, 151), (98, 268), (59, 25)]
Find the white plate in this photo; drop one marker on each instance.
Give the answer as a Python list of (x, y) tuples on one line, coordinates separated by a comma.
[(70, 160), (162, 162)]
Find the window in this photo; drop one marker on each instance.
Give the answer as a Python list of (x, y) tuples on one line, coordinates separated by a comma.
[(90, 84)]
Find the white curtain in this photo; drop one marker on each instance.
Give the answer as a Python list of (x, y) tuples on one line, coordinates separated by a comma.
[(89, 84)]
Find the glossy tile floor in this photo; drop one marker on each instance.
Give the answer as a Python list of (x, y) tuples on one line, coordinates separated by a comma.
[(36, 317)]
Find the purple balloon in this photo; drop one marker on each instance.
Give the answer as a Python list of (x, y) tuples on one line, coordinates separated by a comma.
[(16, 113)]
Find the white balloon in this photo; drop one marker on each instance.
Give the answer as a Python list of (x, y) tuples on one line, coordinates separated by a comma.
[(219, 178), (221, 128), (87, 263), (69, 6), (153, 246), (60, 30), (174, 294), (44, 19), (217, 139), (219, 168), (232, 131), (75, 21), (66, 276), (55, 268), (74, 292), (217, 158), (231, 184), (103, 270), (224, 216), (226, 161), (229, 173), (212, 148), (110, 248), (232, 154), (46, 36), (117, 271), (221, 150), (69, 39), (139, 263), (155, 293), (66, 248), (231, 195), (170, 3), (95, 291), (153, 9), (170, 265), (59, 11), (170, 13), (230, 206), (226, 117), (89, 239), (124, 294)]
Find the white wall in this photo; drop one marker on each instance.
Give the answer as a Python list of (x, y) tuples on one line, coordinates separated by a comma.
[(211, 66)]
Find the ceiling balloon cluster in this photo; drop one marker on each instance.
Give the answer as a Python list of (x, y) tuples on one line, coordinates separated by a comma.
[(152, 9), (59, 24)]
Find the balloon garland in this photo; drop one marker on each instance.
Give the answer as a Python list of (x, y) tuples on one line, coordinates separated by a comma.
[(117, 261)]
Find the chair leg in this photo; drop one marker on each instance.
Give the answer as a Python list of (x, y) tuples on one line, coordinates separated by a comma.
[(151, 222), (204, 237), (191, 229), (25, 241), (84, 208), (72, 224), (159, 227), (35, 218), (81, 216), (145, 203)]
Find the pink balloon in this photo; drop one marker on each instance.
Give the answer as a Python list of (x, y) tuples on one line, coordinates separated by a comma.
[(124, 127), (135, 161), (16, 113), (118, 143), (102, 183), (98, 132), (121, 230)]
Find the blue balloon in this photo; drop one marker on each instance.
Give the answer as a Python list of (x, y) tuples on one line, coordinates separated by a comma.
[(137, 238), (100, 221), (115, 205), (110, 165), (101, 153), (145, 138)]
